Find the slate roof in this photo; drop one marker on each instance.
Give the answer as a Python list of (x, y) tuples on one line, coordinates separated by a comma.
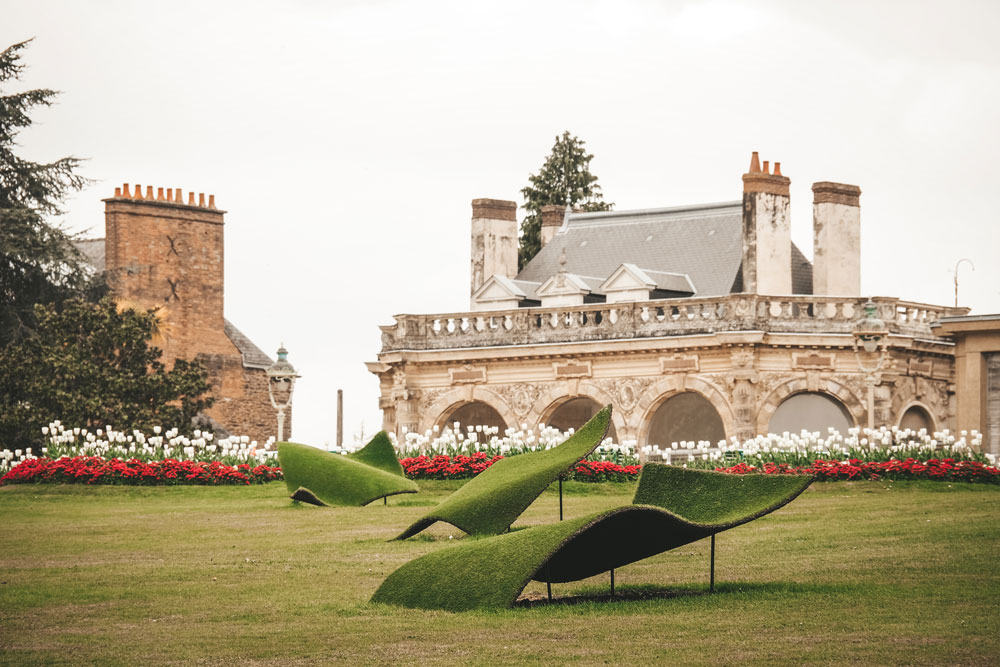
[(253, 356), (703, 242)]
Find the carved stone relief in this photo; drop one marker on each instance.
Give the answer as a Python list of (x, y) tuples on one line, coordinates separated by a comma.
[(627, 392), (520, 397)]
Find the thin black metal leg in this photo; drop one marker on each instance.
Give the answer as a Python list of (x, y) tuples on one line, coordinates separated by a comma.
[(612, 582), (385, 500), (548, 587), (711, 580), (560, 500)]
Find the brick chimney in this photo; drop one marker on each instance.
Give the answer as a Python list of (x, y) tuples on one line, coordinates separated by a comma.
[(552, 219), (836, 239), (494, 240), (767, 237), (161, 251)]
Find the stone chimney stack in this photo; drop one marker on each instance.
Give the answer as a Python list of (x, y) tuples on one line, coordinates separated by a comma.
[(494, 240), (767, 237), (553, 216), (836, 239)]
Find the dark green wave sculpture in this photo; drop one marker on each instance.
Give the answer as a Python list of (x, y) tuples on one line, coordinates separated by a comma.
[(674, 506), (490, 502), (323, 478)]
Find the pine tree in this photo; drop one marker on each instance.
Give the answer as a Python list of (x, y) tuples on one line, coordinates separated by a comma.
[(38, 261), (565, 178)]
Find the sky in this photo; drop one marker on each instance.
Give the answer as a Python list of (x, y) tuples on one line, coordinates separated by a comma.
[(346, 140)]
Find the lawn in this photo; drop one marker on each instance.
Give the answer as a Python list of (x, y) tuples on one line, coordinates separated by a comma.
[(860, 572)]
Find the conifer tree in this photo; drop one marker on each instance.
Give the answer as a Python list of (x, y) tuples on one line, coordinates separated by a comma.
[(564, 179), (38, 261)]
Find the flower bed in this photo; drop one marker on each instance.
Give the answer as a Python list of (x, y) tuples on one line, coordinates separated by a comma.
[(463, 467), (856, 469), (98, 470)]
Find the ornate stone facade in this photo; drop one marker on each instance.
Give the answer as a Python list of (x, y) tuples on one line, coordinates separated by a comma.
[(629, 333), (744, 367)]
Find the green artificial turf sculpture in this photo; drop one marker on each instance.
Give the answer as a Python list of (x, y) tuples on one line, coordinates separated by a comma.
[(323, 478), (672, 507), (490, 502)]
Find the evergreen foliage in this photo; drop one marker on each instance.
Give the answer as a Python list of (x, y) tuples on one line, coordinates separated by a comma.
[(38, 261), (492, 500), (89, 365), (323, 478), (680, 506), (564, 179)]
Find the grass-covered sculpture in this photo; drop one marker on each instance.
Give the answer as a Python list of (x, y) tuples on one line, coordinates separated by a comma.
[(672, 507), (322, 478), (490, 502)]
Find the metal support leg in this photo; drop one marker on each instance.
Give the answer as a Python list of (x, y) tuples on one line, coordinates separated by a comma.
[(548, 587), (560, 500), (385, 500), (711, 580), (612, 582)]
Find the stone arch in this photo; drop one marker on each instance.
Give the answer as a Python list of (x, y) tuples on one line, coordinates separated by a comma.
[(671, 386), (910, 391), (438, 412), (855, 407), (555, 395), (917, 405)]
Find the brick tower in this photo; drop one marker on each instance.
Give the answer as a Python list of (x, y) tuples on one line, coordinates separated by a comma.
[(163, 252)]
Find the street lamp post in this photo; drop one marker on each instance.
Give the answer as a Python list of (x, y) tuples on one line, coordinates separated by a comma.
[(871, 335), (280, 384)]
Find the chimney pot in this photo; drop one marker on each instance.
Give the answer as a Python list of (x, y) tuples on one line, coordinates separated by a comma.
[(190, 199), (178, 196), (211, 201), (149, 192), (754, 163), (777, 169), (126, 191), (170, 194), (118, 192), (201, 199), (767, 167), (159, 194), (138, 191)]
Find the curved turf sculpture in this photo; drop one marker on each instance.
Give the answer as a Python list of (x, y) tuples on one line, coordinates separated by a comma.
[(490, 502), (674, 507), (322, 478)]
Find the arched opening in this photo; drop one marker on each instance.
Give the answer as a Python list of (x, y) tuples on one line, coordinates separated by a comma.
[(916, 418), (576, 412), (810, 411), (475, 413), (685, 417)]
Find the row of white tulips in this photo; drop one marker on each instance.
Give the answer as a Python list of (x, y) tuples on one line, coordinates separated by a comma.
[(879, 444), (454, 440), (162, 444)]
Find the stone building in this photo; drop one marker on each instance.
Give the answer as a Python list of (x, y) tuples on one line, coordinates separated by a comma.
[(697, 323), (162, 252)]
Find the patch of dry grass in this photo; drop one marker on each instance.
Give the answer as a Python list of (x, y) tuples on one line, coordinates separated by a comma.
[(862, 573)]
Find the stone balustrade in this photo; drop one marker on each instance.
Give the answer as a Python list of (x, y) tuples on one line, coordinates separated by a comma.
[(650, 319)]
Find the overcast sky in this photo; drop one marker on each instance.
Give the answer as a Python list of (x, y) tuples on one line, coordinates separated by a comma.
[(346, 140)]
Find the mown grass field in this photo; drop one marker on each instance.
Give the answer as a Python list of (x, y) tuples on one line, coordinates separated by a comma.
[(862, 573)]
